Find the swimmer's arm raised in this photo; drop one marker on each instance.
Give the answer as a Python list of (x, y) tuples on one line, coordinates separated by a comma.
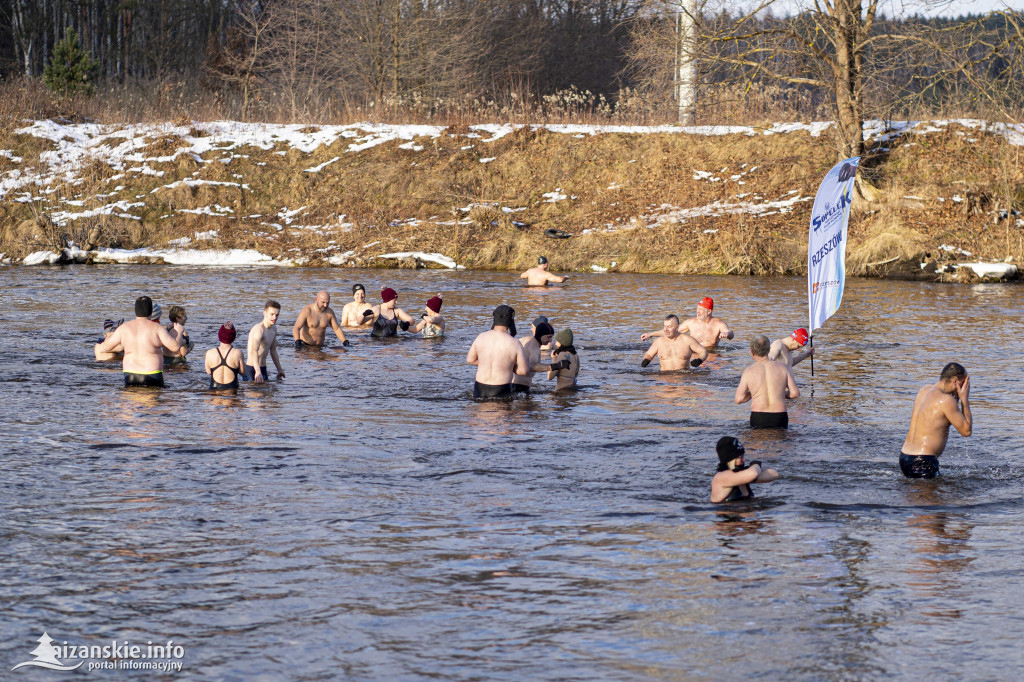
[(651, 335), (110, 343), (961, 421), (723, 331), (799, 356), (766, 475)]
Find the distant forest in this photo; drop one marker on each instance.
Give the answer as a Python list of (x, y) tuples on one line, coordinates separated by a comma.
[(303, 58)]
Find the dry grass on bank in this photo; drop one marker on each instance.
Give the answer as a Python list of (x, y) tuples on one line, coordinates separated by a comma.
[(623, 189)]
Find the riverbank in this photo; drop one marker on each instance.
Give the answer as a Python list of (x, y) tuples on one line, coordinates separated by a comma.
[(942, 200)]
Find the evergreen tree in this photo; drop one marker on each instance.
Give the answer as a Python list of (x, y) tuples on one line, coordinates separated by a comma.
[(71, 69)]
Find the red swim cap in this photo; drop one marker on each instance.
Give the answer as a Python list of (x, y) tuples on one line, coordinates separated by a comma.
[(434, 303), (227, 333), (388, 294), (707, 303), (800, 336)]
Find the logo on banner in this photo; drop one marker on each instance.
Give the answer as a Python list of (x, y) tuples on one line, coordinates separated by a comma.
[(832, 212)]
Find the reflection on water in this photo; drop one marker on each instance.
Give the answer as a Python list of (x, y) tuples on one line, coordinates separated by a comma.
[(365, 518)]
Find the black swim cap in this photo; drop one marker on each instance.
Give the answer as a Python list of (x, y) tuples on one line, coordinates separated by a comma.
[(505, 316), (542, 260), (143, 306), (729, 448), (358, 287), (543, 329)]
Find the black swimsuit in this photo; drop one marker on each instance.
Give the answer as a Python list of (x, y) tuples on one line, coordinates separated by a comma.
[(383, 327), (737, 494), (216, 385)]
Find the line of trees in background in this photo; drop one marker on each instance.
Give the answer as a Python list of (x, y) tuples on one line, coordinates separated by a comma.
[(317, 59)]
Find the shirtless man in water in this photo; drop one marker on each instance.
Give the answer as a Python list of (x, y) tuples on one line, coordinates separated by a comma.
[(787, 350), (674, 349), (498, 356), (767, 385), (310, 327), (706, 328), (263, 340), (354, 312), (935, 410), (539, 276), (143, 341)]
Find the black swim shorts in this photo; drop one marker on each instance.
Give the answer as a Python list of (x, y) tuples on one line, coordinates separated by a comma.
[(919, 466), (249, 373), (491, 391), (769, 420), (520, 388), (154, 380)]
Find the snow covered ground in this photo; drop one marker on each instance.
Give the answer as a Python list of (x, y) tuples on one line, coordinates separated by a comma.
[(126, 151)]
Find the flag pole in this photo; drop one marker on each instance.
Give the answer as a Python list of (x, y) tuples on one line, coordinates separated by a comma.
[(811, 339)]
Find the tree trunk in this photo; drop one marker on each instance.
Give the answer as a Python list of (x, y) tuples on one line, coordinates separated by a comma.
[(847, 78), (686, 63)]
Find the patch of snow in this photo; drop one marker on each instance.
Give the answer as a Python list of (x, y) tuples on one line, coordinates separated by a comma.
[(488, 159), (228, 257), (217, 211), (8, 154), (598, 268), (412, 146), (63, 217), (206, 236), (41, 258), (429, 257), (289, 216), (999, 270), (552, 197), (325, 164)]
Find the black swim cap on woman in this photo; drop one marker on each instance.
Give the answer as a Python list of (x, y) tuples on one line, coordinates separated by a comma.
[(543, 329), (358, 287), (729, 448)]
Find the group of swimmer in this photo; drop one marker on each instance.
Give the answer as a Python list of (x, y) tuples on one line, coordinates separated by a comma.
[(506, 365)]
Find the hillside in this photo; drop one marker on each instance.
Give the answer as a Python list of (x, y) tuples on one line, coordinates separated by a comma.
[(640, 199)]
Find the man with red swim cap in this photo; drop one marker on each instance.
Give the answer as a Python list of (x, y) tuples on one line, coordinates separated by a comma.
[(224, 363), (787, 350), (706, 328)]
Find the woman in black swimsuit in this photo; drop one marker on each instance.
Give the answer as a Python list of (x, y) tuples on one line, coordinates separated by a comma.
[(223, 361), (732, 482), (388, 318)]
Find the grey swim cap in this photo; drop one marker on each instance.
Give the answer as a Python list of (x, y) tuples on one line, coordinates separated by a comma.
[(157, 312)]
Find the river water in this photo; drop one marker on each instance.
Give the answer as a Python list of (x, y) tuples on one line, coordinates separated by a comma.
[(365, 519)]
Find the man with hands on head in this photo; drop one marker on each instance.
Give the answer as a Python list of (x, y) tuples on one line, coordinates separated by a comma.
[(936, 408)]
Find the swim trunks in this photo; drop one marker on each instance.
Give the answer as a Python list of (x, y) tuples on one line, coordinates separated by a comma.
[(300, 345), (147, 379), (520, 388), (769, 420), (919, 466), (249, 373), (491, 391)]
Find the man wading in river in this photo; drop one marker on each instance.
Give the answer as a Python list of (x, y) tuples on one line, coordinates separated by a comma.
[(674, 349), (263, 341), (497, 356), (706, 328), (787, 350), (767, 385), (935, 410), (143, 341), (539, 276), (310, 328)]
